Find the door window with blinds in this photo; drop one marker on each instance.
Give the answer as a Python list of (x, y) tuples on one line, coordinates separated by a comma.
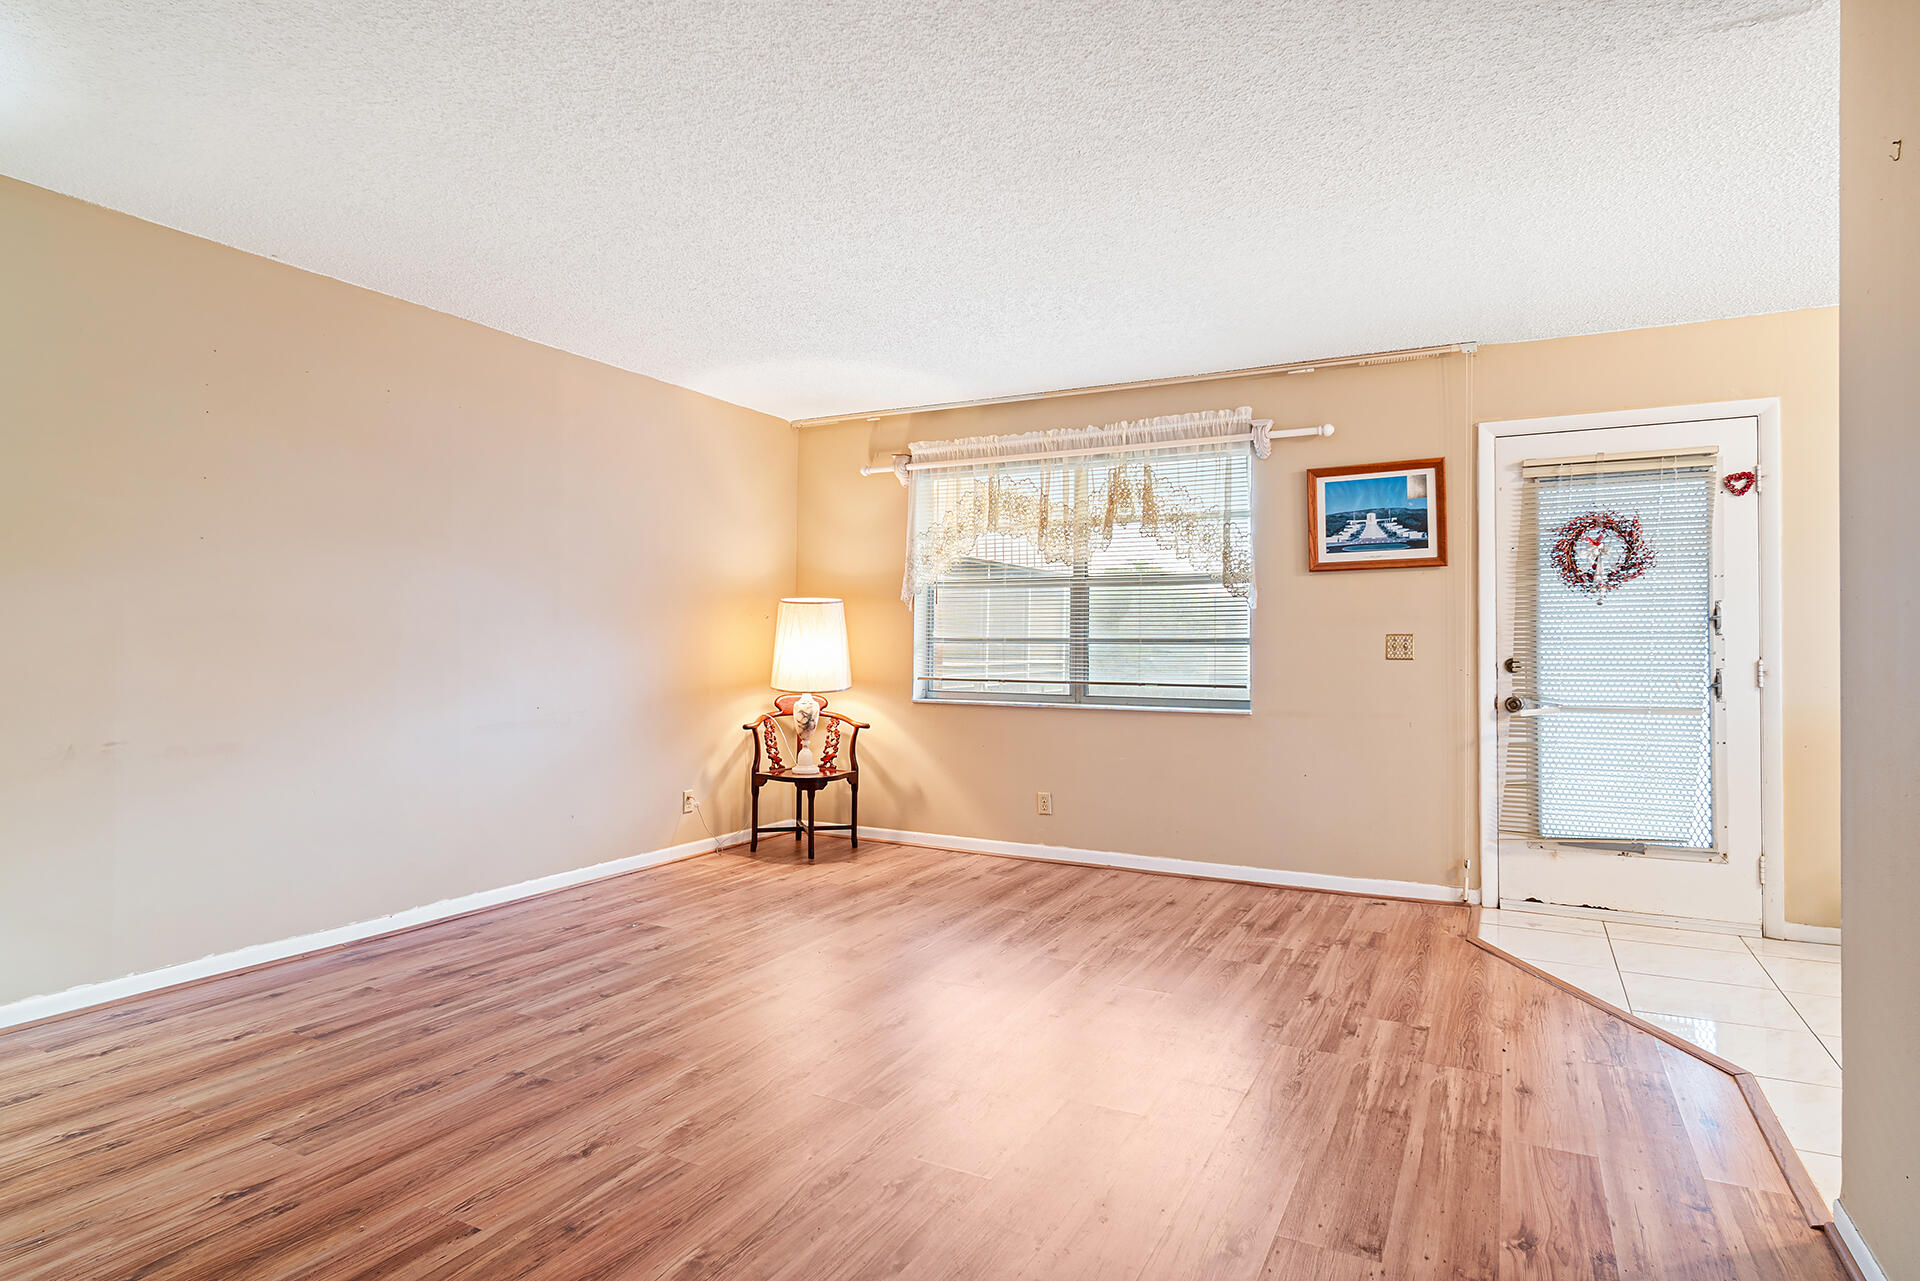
[(1106, 579), (1611, 739)]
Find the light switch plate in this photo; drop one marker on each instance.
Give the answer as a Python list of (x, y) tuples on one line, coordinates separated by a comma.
[(1400, 645)]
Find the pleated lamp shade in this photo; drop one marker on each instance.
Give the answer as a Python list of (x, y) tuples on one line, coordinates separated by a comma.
[(810, 646)]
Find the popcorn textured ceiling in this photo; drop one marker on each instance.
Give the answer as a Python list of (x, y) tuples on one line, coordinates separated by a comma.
[(816, 208)]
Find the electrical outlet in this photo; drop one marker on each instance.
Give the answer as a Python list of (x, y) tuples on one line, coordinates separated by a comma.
[(686, 802), (1043, 802), (1400, 645)]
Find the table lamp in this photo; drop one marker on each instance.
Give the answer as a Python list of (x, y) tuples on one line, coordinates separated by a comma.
[(809, 657)]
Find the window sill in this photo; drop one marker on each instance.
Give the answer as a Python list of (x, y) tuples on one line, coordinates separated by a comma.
[(1085, 707)]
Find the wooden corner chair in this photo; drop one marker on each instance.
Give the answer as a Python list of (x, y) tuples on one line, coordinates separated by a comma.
[(836, 743)]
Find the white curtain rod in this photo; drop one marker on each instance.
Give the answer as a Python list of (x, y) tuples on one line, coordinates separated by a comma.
[(1324, 429)]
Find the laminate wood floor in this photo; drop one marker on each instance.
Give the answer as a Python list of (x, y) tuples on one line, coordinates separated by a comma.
[(900, 1062)]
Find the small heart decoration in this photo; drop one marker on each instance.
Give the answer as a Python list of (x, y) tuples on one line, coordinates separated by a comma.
[(1739, 483)]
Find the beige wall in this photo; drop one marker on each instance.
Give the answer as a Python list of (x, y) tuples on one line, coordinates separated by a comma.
[(1880, 612), (316, 605), (1263, 790)]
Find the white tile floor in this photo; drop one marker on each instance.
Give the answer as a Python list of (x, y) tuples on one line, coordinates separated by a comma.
[(1769, 1006)]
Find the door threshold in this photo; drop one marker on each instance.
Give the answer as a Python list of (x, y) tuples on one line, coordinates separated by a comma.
[(1631, 918)]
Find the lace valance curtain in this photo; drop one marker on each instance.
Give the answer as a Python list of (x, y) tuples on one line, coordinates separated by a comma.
[(1167, 480)]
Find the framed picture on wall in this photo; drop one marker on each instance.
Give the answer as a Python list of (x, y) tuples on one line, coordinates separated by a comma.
[(1378, 516)]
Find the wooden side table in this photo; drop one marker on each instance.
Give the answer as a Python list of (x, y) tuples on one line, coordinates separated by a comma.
[(838, 734)]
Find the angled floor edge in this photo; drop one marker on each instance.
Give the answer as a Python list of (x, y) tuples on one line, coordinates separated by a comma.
[(1811, 1202)]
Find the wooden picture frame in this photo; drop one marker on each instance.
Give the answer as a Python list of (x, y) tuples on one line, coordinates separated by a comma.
[(1377, 515)]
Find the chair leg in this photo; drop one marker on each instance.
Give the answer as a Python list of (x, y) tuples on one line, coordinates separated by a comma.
[(753, 842), (853, 814)]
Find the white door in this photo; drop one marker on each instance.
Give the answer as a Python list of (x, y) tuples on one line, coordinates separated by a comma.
[(1628, 649)]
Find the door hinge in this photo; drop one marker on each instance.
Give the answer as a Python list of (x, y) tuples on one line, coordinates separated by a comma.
[(1760, 868), (1760, 673)]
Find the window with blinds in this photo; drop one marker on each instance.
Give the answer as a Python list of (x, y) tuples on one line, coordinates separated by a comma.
[(1616, 741), (1101, 601)]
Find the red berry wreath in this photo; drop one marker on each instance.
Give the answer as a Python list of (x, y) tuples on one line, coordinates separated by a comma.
[(1600, 551)]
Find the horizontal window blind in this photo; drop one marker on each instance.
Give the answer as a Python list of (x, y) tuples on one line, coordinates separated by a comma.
[(1130, 587), (1615, 743)]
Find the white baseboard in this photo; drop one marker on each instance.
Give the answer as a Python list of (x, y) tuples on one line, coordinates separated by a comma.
[(1856, 1245), (31, 1008), (1174, 866), (1811, 933)]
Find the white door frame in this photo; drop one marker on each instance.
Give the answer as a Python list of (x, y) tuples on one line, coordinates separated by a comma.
[(1773, 899)]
